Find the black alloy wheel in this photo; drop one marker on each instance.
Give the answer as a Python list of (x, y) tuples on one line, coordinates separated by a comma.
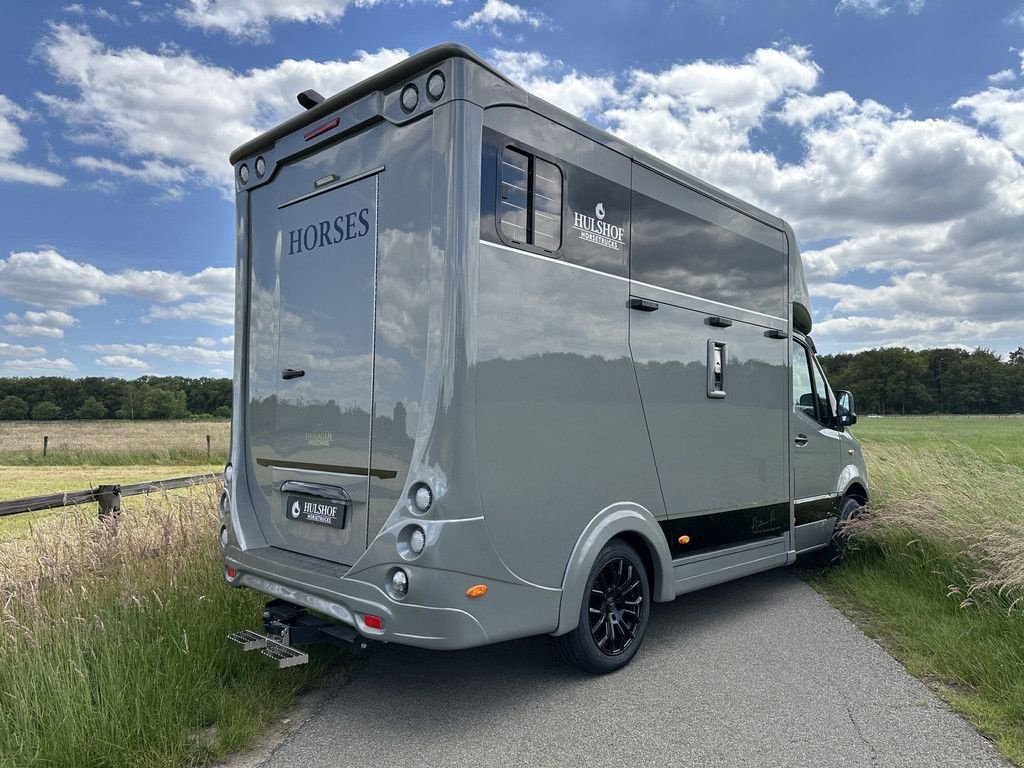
[(614, 613), (616, 606)]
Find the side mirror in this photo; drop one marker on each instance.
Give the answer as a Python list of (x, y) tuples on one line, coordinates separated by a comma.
[(847, 413)]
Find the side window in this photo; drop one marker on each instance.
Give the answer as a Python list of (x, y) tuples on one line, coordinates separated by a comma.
[(823, 395), (803, 391), (530, 210)]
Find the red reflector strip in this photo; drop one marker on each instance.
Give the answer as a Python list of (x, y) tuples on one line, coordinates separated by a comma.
[(373, 622), (328, 126), (231, 572)]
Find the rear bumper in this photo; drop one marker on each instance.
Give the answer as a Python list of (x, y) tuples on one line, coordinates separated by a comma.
[(507, 611)]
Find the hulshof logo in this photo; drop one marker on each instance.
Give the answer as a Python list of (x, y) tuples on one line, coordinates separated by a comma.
[(595, 229), (348, 226), (319, 438)]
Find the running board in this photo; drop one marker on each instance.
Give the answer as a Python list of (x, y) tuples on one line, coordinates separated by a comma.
[(287, 625), (277, 653)]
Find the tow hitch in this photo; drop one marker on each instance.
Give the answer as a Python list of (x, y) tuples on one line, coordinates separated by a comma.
[(288, 625)]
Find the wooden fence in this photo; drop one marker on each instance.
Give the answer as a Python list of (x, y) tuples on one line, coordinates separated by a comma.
[(107, 496)]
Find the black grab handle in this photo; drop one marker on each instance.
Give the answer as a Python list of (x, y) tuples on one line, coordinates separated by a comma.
[(291, 373)]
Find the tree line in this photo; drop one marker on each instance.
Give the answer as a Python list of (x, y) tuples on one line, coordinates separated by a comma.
[(47, 398), (896, 380), (890, 380)]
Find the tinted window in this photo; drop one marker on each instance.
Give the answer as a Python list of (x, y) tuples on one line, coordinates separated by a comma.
[(687, 242), (803, 391), (531, 200), (823, 397)]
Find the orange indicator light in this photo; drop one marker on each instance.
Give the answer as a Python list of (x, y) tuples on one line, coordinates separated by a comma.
[(684, 539), (477, 591)]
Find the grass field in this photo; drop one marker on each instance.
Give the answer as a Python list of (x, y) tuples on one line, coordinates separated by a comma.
[(936, 569), (113, 442), (113, 647)]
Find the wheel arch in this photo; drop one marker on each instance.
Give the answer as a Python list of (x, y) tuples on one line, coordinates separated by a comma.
[(633, 524)]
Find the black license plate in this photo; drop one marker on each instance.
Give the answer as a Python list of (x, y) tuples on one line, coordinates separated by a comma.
[(310, 509)]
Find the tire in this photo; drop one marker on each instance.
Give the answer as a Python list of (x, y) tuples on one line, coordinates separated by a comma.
[(836, 550), (613, 615)]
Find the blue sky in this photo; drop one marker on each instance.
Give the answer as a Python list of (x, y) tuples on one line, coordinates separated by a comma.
[(889, 132)]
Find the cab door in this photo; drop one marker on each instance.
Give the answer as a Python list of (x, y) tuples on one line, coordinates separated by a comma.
[(816, 452)]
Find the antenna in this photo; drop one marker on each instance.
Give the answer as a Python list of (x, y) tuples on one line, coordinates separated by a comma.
[(309, 99)]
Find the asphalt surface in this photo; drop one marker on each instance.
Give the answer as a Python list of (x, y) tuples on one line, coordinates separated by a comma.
[(759, 672)]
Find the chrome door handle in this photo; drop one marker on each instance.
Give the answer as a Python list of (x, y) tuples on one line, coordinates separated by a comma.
[(800, 440)]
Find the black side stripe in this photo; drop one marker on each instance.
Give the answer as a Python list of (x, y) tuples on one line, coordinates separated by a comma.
[(718, 530), (816, 509)]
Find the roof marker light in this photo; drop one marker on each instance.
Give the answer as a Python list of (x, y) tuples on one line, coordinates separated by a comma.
[(410, 97), (435, 85), (330, 125)]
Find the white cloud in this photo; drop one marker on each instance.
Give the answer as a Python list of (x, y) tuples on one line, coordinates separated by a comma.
[(573, 92), (1001, 108), (172, 118), (218, 309), (496, 12), (205, 341), (12, 143), (122, 362), (879, 8), (48, 279), (1002, 76), (20, 349), (250, 19), (175, 352), (40, 366), (50, 323)]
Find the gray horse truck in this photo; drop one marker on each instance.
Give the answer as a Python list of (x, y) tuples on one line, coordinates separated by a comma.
[(499, 373)]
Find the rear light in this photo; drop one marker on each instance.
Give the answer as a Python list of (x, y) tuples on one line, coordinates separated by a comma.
[(229, 472), (417, 540), (398, 584), (225, 504), (224, 538), (231, 573), (243, 174), (410, 97), (261, 167), (423, 497), (330, 125), (373, 622)]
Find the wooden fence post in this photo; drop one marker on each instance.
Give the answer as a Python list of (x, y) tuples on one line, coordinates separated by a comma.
[(46, 441), (109, 498), (207, 446)]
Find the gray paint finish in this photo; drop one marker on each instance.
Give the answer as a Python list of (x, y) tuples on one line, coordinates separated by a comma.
[(514, 384), (745, 674)]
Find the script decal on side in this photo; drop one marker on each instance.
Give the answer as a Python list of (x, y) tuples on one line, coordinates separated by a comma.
[(333, 222), (595, 229)]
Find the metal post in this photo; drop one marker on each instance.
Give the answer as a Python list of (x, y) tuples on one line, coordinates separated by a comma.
[(46, 441), (109, 498)]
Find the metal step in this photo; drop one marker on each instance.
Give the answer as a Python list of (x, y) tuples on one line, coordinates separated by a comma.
[(248, 640), (284, 655)]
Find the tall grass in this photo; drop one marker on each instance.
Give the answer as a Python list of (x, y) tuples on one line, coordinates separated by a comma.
[(936, 569), (112, 443), (113, 647)]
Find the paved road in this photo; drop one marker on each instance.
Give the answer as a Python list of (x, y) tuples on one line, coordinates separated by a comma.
[(760, 672)]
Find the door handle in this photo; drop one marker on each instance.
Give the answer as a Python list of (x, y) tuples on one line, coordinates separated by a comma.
[(643, 305), (291, 373), (800, 440)]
